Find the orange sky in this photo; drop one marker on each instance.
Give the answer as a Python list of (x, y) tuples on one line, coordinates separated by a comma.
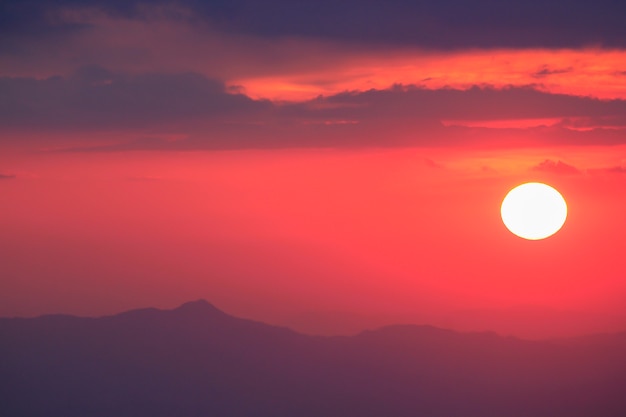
[(594, 72), (410, 234)]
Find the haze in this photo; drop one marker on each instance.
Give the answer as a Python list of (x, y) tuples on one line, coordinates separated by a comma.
[(309, 173)]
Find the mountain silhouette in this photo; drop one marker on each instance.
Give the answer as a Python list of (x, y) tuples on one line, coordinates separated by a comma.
[(197, 361)]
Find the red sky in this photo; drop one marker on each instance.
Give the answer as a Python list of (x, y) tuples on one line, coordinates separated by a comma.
[(313, 175)]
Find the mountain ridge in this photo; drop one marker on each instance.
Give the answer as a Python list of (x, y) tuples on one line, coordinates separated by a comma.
[(196, 360), (200, 306)]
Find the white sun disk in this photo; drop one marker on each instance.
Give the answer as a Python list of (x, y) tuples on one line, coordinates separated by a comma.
[(533, 211)]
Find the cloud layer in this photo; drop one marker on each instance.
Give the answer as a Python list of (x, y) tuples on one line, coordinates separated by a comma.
[(209, 115), (94, 98), (192, 74), (424, 23)]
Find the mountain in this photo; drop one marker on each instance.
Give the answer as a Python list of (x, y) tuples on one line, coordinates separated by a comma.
[(196, 361)]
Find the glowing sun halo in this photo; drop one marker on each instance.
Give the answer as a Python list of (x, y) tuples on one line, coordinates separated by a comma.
[(533, 211)]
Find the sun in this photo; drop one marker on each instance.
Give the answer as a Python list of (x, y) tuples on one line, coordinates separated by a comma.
[(533, 211)]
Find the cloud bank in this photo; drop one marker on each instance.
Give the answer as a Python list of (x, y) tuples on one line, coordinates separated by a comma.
[(443, 24)]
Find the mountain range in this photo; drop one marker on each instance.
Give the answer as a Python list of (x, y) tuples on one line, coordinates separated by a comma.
[(197, 361)]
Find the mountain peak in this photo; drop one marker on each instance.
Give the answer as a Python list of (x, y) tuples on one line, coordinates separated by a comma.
[(200, 305)]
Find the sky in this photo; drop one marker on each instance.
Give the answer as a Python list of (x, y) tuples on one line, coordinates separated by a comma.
[(329, 166)]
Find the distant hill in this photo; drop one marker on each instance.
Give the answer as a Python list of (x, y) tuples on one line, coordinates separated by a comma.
[(196, 361)]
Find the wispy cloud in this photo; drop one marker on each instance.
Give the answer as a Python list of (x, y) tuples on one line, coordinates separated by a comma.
[(546, 71), (617, 169), (556, 167)]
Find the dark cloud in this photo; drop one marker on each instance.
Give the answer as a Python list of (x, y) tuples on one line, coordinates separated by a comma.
[(94, 98), (438, 24), (6, 177), (613, 121), (370, 134), (476, 103), (48, 17), (546, 71), (556, 167), (424, 23), (206, 116)]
